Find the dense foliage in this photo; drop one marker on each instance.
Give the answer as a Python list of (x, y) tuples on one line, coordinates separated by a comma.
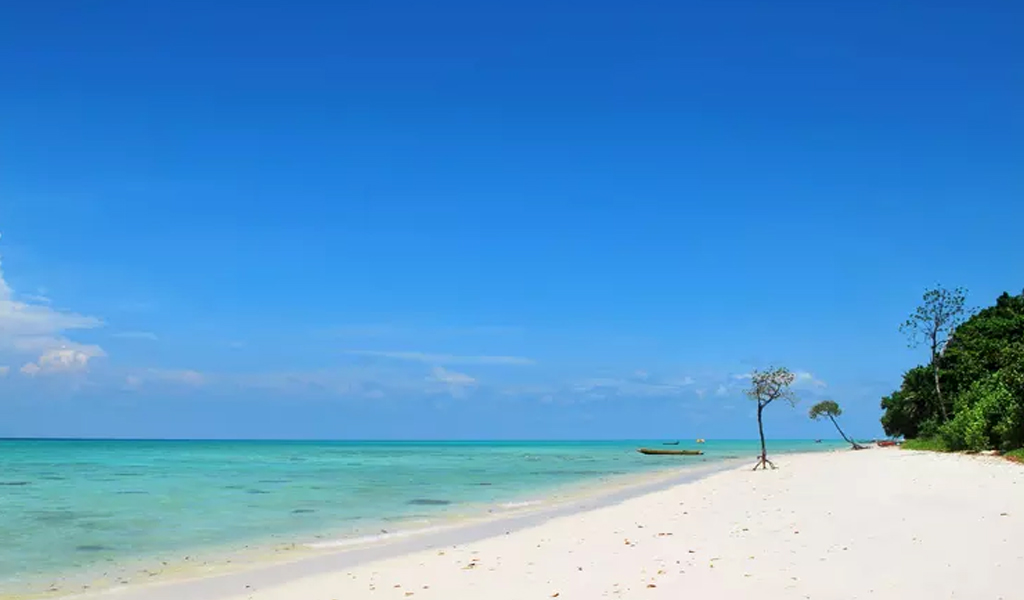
[(981, 370)]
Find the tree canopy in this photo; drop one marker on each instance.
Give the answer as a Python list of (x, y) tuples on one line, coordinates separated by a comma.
[(825, 408), (770, 385), (982, 380)]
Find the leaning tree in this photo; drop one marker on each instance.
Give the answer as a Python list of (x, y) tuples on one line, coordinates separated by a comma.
[(830, 409), (766, 387)]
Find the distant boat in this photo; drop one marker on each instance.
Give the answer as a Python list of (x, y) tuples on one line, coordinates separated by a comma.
[(817, 441), (660, 451), (675, 443), (700, 440)]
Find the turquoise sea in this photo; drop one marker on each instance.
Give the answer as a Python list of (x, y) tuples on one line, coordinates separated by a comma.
[(68, 505)]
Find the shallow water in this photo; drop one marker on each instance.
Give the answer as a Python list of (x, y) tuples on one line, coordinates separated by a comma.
[(75, 505)]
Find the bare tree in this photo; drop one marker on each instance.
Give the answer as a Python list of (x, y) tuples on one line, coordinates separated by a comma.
[(766, 387), (940, 313), (830, 409)]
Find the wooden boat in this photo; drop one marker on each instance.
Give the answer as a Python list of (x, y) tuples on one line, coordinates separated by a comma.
[(676, 443), (887, 443), (662, 451)]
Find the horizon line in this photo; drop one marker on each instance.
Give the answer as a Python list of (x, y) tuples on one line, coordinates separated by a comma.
[(381, 440)]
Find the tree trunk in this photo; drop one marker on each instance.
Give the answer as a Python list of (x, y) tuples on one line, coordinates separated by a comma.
[(760, 431), (935, 372), (849, 441), (839, 429), (762, 461), (938, 388)]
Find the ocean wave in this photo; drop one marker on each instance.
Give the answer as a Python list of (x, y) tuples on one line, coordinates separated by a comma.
[(369, 539), (520, 504)]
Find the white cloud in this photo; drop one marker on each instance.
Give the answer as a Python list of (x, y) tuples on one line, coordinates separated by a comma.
[(803, 378), (455, 383), (353, 381), (379, 330), (136, 335), (33, 329), (35, 298), (603, 387), (187, 377), (681, 382), (443, 375), (62, 360), (722, 390), (444, 359), (4, 371)]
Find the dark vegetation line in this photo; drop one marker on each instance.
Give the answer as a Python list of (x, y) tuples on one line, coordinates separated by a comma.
[(970, 395)]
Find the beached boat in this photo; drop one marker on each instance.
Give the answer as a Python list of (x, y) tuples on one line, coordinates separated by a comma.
[(672, 452), (887, 443)]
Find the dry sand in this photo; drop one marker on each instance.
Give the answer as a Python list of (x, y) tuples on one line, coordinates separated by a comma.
[(882, 523)]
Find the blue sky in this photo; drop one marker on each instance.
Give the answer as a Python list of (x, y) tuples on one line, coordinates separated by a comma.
[(465, 220)]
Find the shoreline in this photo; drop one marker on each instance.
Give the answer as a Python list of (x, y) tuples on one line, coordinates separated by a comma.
[(310, 559), (102, 521), (880, 523), (471, 521), (80, 511)]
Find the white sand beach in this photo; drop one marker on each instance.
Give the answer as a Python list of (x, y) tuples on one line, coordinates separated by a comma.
[(881, 523)]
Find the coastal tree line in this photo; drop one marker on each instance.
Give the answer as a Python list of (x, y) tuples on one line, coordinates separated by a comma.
[(970, 394)]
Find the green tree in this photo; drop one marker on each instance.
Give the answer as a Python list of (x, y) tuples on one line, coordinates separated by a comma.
[(980, 411), (984, 366), (766, 387), (981, 369), (912, 409), (933, 322), (988, 342), (830, 409)]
